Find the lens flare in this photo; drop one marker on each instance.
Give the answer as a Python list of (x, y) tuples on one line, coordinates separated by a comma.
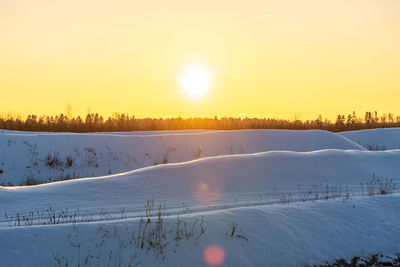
[(204, 187), (214, 255)]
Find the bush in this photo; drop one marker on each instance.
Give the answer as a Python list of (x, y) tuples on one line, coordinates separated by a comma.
[(69, 162), (53, 160)]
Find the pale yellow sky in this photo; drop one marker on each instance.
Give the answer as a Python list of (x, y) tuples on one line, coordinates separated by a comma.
[(265, 58)]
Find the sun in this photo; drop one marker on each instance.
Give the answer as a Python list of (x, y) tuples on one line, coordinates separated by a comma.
[(195, 81)]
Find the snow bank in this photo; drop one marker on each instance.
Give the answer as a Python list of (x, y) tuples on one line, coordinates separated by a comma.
[(30, 158), (239, 180), (289, 235), (261, 183), (376, 139), (227, 190)]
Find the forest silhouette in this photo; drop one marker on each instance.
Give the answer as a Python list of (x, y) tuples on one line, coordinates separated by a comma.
[(94, 122)]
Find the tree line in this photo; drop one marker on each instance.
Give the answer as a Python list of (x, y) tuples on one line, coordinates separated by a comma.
[(94, 122)]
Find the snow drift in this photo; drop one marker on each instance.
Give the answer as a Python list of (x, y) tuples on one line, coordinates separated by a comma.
[(31, 158), (376, 139), (227, 190), (239, 179), (260, 197)]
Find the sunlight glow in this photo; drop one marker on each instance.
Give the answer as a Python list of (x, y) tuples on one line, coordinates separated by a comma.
[(196, 82), (207, 58)]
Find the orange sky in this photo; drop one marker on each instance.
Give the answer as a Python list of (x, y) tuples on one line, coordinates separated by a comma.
[(264, 58)]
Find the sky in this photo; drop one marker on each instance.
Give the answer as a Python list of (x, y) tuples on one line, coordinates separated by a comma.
[(264, 58)]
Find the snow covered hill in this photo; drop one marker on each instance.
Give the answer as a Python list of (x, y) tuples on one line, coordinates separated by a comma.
[(238, 179), (31, 158), (267, 200), (214, 198), (376, 139)]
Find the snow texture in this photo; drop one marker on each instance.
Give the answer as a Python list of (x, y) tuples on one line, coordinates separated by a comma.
[(30, 158), (376, 139), (267, 198)]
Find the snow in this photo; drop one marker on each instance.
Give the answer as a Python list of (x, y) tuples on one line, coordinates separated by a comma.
[(287, 235), (261, 193), (238, 179), (28, 158), (376, 139)]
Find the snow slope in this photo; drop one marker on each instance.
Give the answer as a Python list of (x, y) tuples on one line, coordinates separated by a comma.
[(2, 131), (210, 181), (376, 139), (242, 190), (249, 198), (281, 235), (30, 158)]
